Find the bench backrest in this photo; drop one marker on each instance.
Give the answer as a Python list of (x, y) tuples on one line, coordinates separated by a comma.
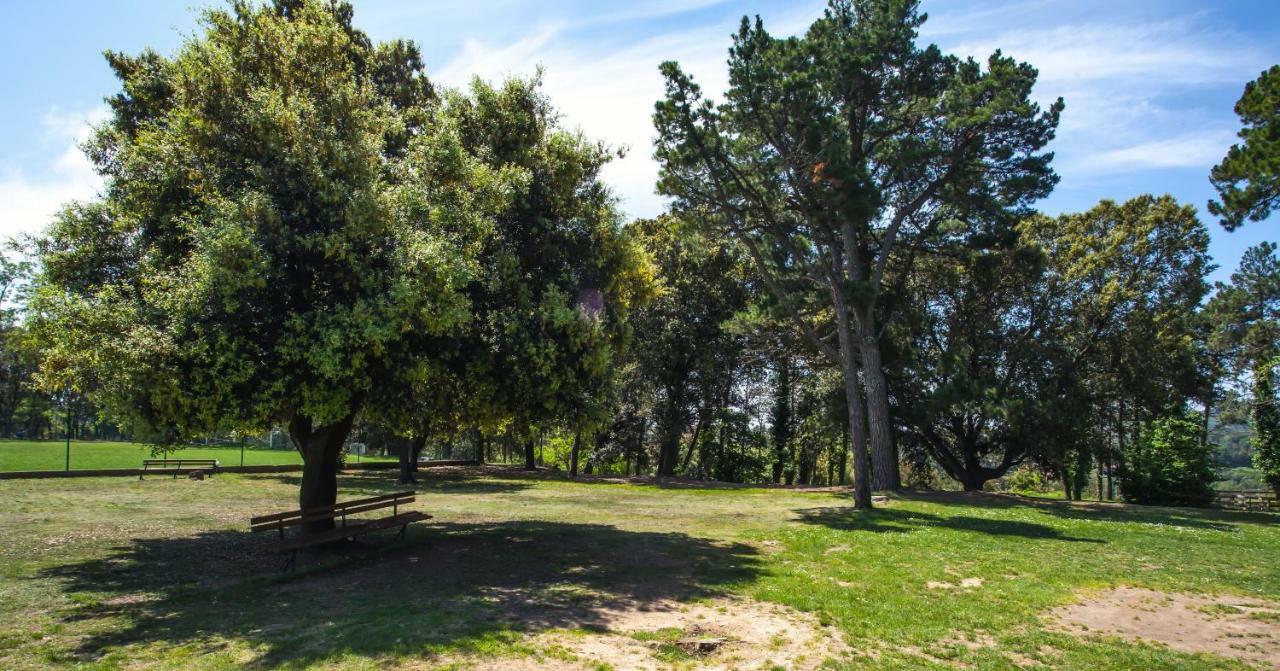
[(290, 518), (179, 462)]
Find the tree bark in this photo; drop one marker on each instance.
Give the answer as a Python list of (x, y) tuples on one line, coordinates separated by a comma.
[(884, 454), (530, 459), (693, 443), (321, 449), (409, 460), (853, 401), (573, 453)]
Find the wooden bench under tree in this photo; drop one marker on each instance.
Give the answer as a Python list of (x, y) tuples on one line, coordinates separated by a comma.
[(177, 466), (340, 513)]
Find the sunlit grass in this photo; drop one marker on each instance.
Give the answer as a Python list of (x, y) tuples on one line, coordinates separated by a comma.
[(112, 572)]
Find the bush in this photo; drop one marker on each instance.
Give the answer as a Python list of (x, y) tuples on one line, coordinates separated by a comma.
[(1025, 480), (1168, 466)]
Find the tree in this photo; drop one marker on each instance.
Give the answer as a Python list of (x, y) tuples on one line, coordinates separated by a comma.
[(1126, 280), (283, 234), (840, 153), (1245, 313), (560, 274), (683, 345), (973, 389), (1248, 178), (1170, 465), (1264, 419)]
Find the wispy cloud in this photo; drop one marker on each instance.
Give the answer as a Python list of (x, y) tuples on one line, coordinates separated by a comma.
[(30, 201), (1185, 151), (610, 96)]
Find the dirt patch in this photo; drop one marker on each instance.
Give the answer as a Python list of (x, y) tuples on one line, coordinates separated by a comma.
[(1235, 627), (725, 633), (966, 583)]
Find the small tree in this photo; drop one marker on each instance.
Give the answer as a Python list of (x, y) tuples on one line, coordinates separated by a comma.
[(1264, 419), (1170, 465)]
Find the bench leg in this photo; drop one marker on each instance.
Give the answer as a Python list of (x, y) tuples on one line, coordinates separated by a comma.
[(291, 563), (403, 527)]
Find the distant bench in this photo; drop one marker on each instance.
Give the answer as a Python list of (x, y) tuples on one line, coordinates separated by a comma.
[(177, 466), (339, 511)]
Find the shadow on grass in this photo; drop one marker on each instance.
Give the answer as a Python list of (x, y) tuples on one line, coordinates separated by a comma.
[(447, 588), (1196, 518), (890, 520), (457, 480)]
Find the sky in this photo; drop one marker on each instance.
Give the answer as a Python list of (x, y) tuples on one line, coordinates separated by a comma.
[(1149, 85)]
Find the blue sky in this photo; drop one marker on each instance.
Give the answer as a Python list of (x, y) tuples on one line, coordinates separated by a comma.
[(1149, 85)]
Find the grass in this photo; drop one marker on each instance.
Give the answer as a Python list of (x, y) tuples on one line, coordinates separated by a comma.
[(50, 455), (108, 573)]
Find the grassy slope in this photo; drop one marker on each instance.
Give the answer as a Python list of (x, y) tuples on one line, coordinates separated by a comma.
[(110, 573), (41, 455)]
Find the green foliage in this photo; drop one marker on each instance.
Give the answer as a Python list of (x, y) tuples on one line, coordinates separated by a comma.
[(834, 153), (1241, 478), (281, 233), (683, 348), (1234, 444), (1170, 465), (1026, 480), (1265, 422), (1248, 178), (982, 354)]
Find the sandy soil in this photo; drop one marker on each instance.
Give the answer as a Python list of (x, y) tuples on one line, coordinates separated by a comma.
[(1236, 627), (720, 634)]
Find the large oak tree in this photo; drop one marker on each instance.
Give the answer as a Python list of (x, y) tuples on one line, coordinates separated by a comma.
[(284, 232)]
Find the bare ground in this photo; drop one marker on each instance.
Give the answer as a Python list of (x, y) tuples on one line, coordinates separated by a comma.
[(718, 634), (1235, 627)]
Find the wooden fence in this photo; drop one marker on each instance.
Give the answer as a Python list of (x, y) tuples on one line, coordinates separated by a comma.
[(1253, 501)]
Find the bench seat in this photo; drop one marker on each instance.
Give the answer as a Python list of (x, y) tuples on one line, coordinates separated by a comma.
[(349, 531)]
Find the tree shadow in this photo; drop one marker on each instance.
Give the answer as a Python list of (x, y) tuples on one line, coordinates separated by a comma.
[(890, 520), (446, 588), (453, 481), (1196, 518)]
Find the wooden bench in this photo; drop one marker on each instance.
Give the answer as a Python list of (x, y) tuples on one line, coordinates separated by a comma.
[(347, 528), (177, 466)]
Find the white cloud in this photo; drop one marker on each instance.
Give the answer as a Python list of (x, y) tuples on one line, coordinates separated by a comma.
[(1192, 150), (30, 201), (610, 96), (1175, 51)]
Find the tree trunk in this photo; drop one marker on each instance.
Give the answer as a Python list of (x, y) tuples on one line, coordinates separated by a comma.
[(697, 430), (573, 453), (853, 401), (530, 460), (321, 449), (884, 454), (409, 460)]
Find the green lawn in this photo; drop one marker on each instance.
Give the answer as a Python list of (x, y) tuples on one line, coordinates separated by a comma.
[(530, 572), (46, 455)]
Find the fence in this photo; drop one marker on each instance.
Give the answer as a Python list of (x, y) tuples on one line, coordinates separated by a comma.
[(1251, 501)]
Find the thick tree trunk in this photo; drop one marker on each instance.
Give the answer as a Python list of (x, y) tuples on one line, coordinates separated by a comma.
[(321, 449), (573, 453), (530, 458), (409, 460), (884, 454)]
